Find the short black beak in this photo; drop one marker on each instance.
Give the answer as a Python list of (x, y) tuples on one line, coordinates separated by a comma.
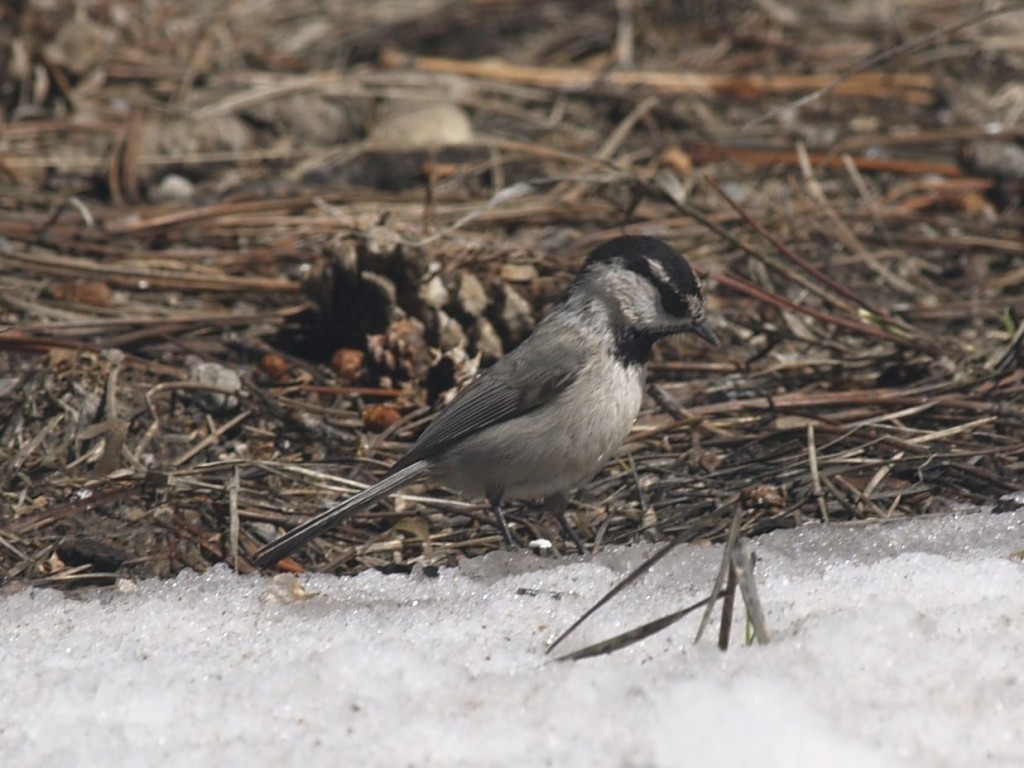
[(703, 330)]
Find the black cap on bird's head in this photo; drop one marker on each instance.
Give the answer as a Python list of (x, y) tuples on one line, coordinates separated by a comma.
[(670, 278)]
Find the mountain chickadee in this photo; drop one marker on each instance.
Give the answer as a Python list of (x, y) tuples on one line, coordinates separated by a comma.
[(545, 417)]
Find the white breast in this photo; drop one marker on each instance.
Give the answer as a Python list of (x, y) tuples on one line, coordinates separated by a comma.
[(554, 448)]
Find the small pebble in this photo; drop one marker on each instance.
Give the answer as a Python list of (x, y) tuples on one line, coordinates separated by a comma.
[(421, 124), (224, 383), (172, 188)]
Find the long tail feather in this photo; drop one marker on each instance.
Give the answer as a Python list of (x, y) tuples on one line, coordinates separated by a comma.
[(313, 527)]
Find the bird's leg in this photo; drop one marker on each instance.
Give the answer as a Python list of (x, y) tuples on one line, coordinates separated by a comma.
[(494, 499), (556, 506)]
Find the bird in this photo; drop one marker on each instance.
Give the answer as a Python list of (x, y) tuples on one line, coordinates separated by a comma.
[(545, 417)]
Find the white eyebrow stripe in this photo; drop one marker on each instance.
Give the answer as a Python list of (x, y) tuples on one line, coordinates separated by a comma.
[(696, 306), (658, 271)]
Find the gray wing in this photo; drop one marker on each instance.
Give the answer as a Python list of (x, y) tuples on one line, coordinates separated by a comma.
[(525, 379)]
